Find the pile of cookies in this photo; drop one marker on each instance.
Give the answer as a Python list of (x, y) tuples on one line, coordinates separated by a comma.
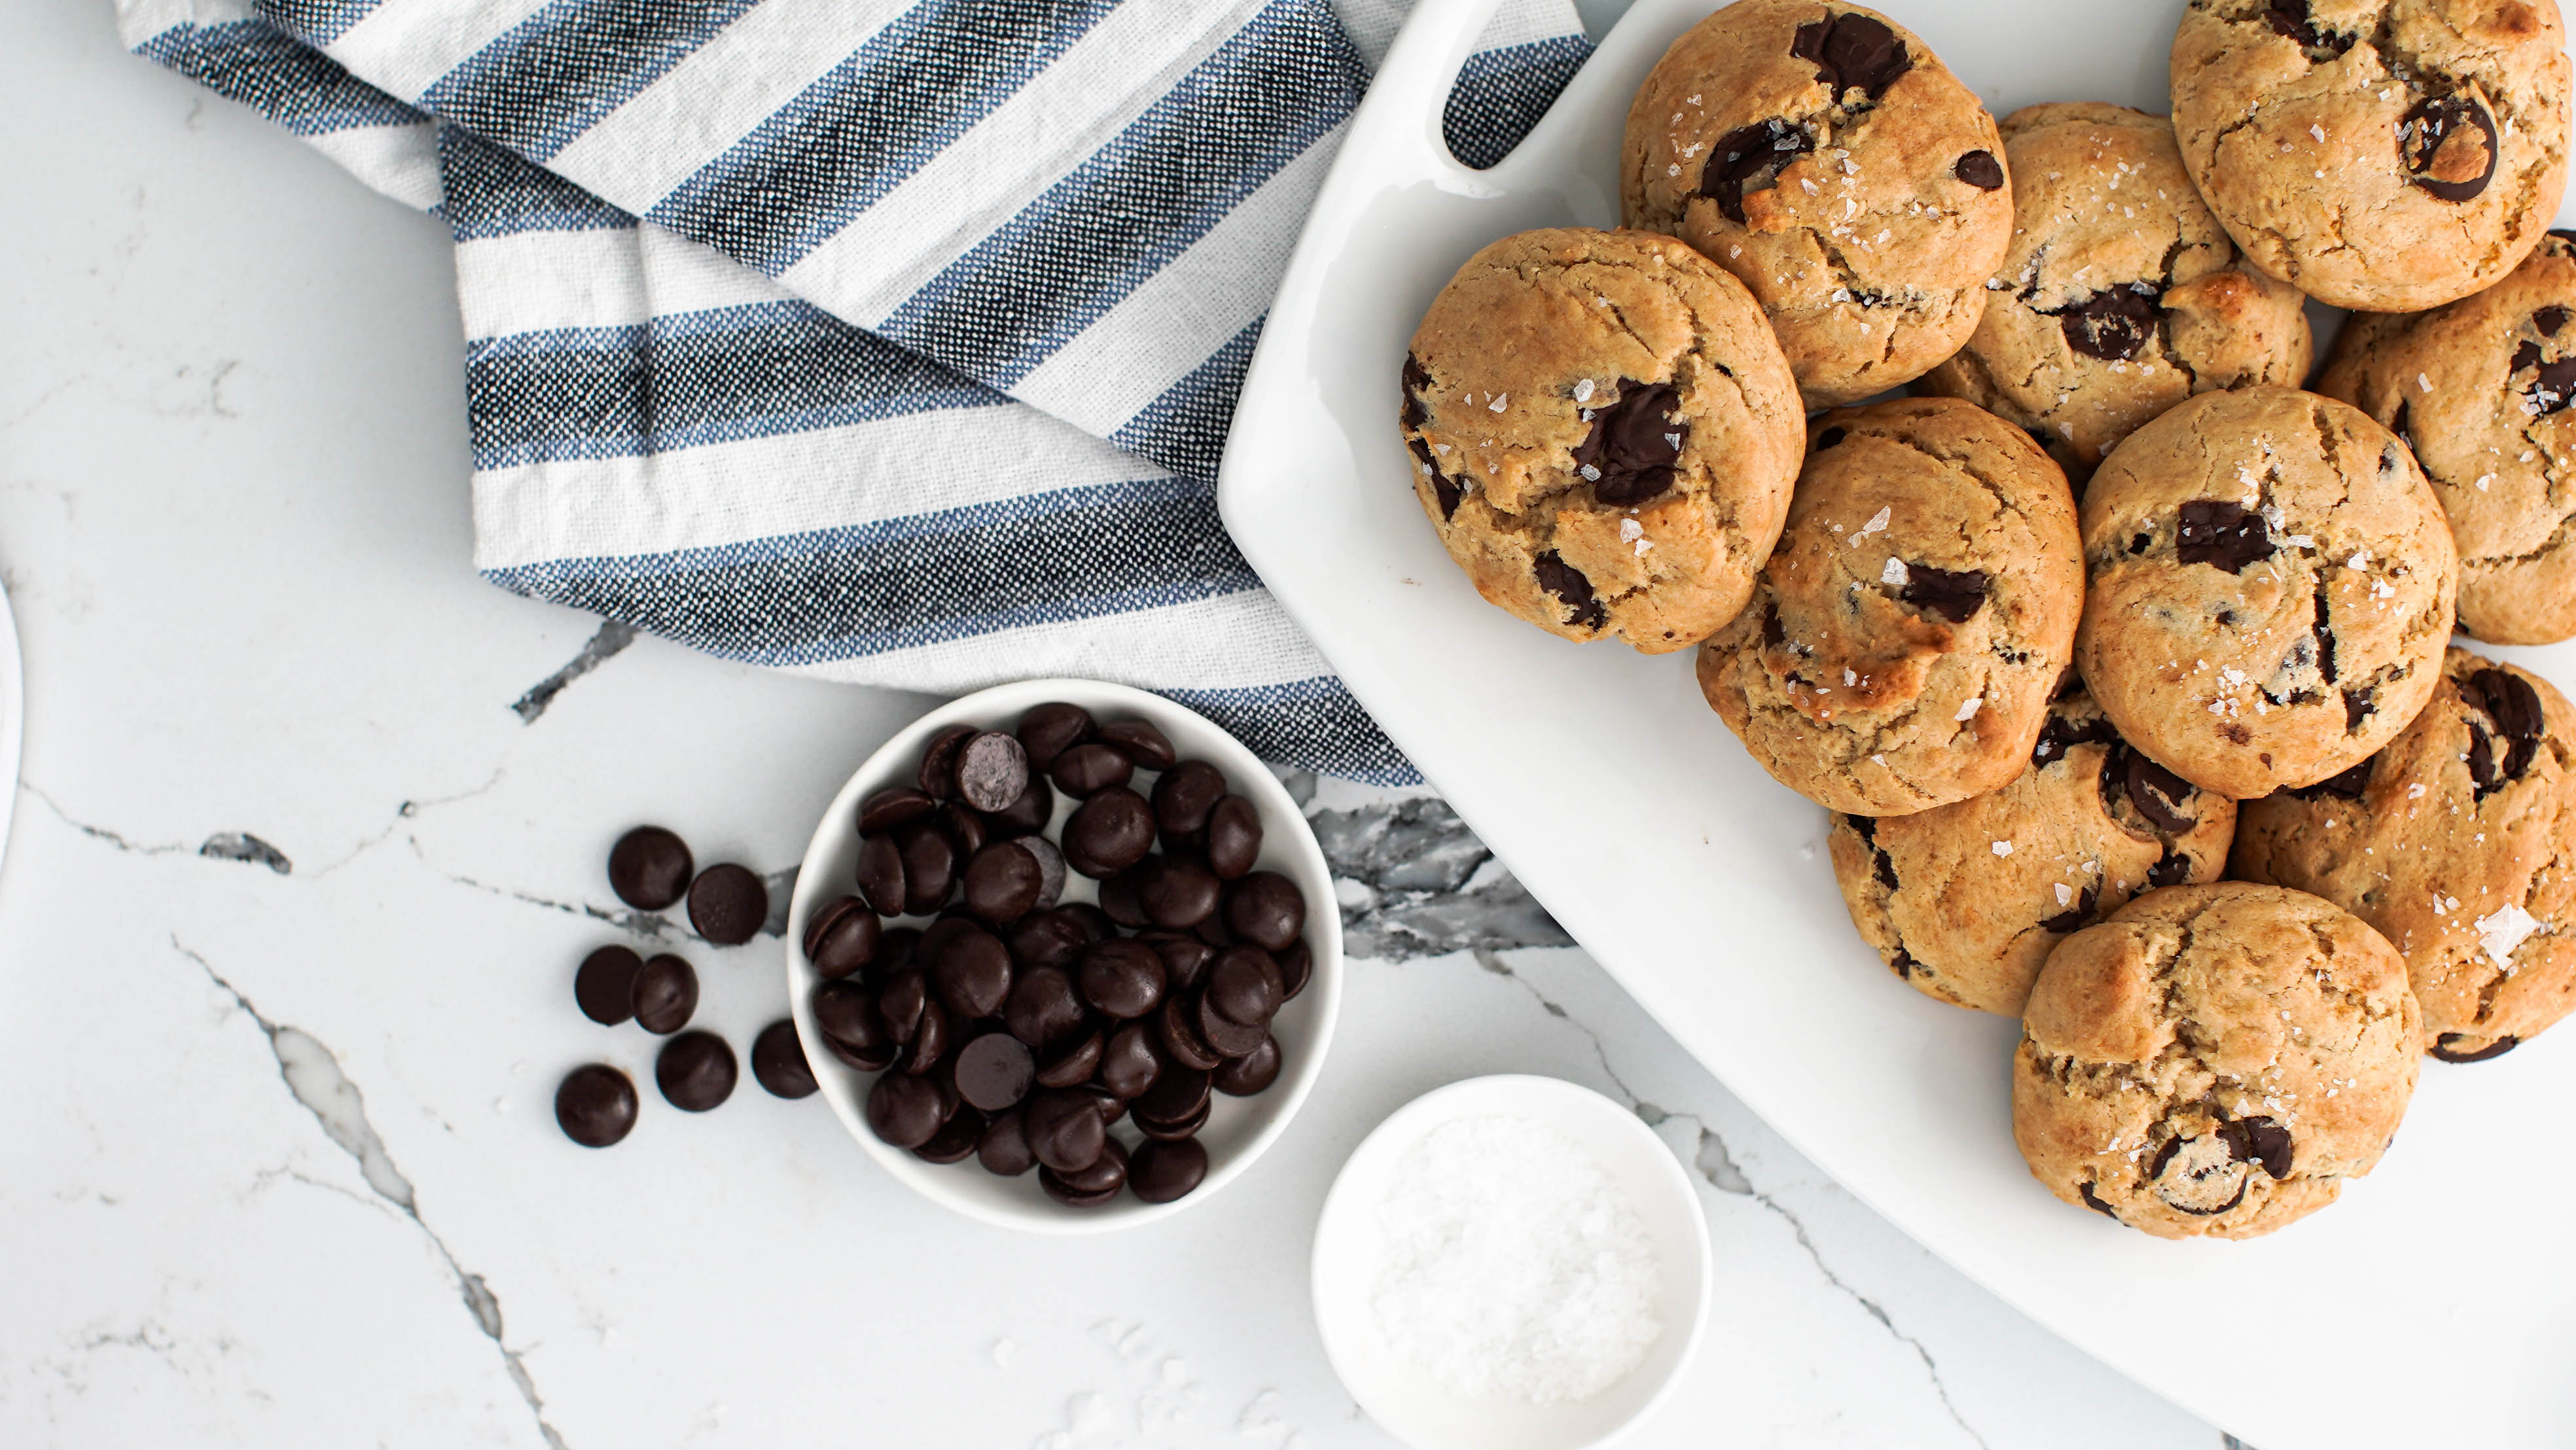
[(2125, 663)]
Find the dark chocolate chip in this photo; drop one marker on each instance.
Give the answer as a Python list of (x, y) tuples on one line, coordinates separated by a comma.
[(972, 972), (666, 994), (964, 827), (1567, 583), (1230, 1038), (1093, 1186), (2158, 793), (1296, 968), (1853, 50), (896, 805), (1049, 730), (2291, 18), (2113, 323), (649, 867), (1121, 898), (1955, 596), (728, 904), (880, 875), (994, 1071), (1004, 1148), (1902, 964), (901, 1004), (1981, 170), (2224, 535), (1108, 833), (2073, 919), (696, 1071), (2445, 1050), (1178, 1022), (1162, 1172), (1026, 816), (2062, 734), (1131, 1060), (1266, 909), (1043, 1009), (2349, 785), (1073, 1065), (1141, 741), (2448, 144), (1750, 158), (2548, 320), (1245, 984), (1629, 455), (2259, 1140), (1442, 487), (992, 771), (778, 1061), (595, 1105), (852, 1026), (604, 986), (1773, 635), (2171, 869), (1065, 1127), (905, 1110), (2399, 424), (1183, 796), (1185, 962), (1177, 1094), (1417, 381), (2553, 383), (929, 868), (2322, 630), (1175, 1132), (2358, 705), (843, 937), (930, 1039), (1883, 866), (956, 1140), (1251, 1073), (1049, 939), (1178, 893), (2094, 1202), (1233, 837), (938, 770), (1003, 882), (1090, 767), (2511, 702), (1122, 978)]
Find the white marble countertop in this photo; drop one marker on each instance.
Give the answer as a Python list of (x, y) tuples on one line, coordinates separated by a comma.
[(305, 856)]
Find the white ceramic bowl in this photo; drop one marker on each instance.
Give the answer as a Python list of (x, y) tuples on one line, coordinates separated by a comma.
[(1238, 1129), (1349, 1248)]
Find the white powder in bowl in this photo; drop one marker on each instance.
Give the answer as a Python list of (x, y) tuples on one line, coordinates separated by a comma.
[(1515, 1268)]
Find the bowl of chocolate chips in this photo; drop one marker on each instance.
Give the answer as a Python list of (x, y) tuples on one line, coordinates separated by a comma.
[(1064, 956)]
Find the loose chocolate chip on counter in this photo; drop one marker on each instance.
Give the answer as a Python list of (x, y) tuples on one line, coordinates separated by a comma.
[(728, 904), (1089, 767), (1003, 882), (1026, 816), (938, 773), (905, 1110), (649, 868), (2259, 1140), (1185, 962), (1233, 838), (2446, 1048), (880, 875), (2224, 535), (852, 1027), (1635, 441), (696, 1071), (1142, 742), (843, 937), (1981, 170), (666, 995), (595, 1105), (1066, 1130), (1266, 909), (956, 1140), (1251, 1073), (972, 973), (1851, 50), (1122, 978), (1162, 1172), (994, 1071), (1110, 832), (1296, 968), (2449, 146), (778, 1061), (1571, 588), (604, 986), (1044, 1010), (896, 805), (1051, 729), (2113, 323), (1004, 1148), (1131, 1060), (929, 868), (1230, 1038), (1092, 1186), (1074, 1065), (992, 771), (1178, 893), (1178, 1024), (1183, 796), (1954, 595), (1748, 159), (1245, 984)]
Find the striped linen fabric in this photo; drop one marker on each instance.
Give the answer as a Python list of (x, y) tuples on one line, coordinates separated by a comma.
[(889, 341)]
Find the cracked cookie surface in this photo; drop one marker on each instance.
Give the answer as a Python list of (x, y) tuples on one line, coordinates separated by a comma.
[(1825, 156), (2481, 390), (1903, 643), (1604, 433), (2458, 843), (1965, 901), (2214, 1060), (2121, 294), (2271, 589), (2383, 155)]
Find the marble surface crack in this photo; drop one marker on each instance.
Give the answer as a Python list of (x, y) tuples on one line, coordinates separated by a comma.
[(653, 926), (1413, 881), (221, 846), (314, 1076), (612, 637), (243, 846)]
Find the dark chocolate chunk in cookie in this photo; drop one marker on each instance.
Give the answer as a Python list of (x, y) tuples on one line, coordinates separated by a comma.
[(2113, 323), (2225, 535), (2446, 1048), (1749, 158), (2349, 785), (1955, 595), (2061, 735), (1448, 493), (1981, 170), (2158, 793), (1417, 378), (2290, 18), (2553, 381), (2448, 144), (1628, 457), (1567, 583), (2077, 913), (2171, 869), (1853, 51)]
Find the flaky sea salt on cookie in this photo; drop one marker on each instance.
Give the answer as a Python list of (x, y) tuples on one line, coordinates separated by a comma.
[(1604, 434)]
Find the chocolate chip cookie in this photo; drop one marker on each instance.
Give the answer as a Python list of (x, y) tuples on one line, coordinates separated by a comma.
[(2458, 842), (2214, 1060), (1966, 900), (1828, 158), (2481, 389), (2271, 589), (2121, 295), (1604, 433), (2385, 155), (1902, 645)]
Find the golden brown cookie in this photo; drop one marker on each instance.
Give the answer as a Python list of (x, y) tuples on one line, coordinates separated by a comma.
[(1604, 433), (1966, 900), (2387, 155), (2271, 588), (1904, 641), (1824, 155), (2214, 1060), (2121, 295), (2458, 842), (2481, 389)]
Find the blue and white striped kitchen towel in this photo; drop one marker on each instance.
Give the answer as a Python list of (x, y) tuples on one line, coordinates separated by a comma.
[(891, 341)]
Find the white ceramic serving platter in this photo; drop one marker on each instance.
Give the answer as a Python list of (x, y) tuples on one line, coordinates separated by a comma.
[(2436, 1305), (13, 718)]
